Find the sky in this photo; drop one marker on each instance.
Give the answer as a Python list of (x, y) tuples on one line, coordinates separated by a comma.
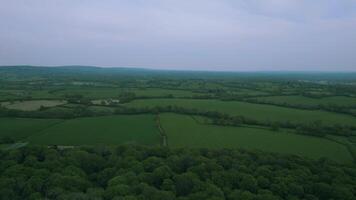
[(233, 35)]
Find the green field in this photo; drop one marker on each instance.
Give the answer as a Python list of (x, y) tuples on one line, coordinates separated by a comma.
[(88, 92), (183, 131), (20, 128), (157, 92), (98, 93), (250, 110), (301, 100), (121, 129), (32, 105)]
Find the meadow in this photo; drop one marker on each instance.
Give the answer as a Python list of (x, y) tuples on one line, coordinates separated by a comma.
[(183, 131), (32, 104), (301, 100), (108, 130), (158, 92), (21, 128), (250, 110)]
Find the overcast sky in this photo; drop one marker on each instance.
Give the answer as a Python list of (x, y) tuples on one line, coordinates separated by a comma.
[(181, 34)]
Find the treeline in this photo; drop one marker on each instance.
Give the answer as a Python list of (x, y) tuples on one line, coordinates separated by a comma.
[(50, 113), (316, 128), (327, 107), (157, 173)]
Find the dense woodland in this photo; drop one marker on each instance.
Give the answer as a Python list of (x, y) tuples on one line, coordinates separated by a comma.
[(138, 172)]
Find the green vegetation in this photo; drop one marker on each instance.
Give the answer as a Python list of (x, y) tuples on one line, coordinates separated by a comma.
[(138, 172), (183, 131), (308, 101), (157, 92), (32, 105), (20, 128), (215, 136), (252, 111), (140, 129)]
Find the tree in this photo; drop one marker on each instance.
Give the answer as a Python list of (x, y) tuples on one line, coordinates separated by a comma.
[(248, 182), (184, 184)]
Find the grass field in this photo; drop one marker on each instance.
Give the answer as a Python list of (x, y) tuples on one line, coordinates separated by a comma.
[(157, 92), (247, 92), (301, 100), (253, 111), (92, 93), (107, 130), (183, 131), (20, 94), (32, 105), (20, 128)]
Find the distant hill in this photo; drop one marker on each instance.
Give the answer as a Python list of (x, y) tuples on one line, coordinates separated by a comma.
[(24, 71)]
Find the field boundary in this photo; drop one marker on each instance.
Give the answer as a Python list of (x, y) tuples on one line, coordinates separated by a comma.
[(196, 120), (347, 145), (42, 130), (162, 132)]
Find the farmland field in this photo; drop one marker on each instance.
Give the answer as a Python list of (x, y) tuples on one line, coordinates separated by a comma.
[(253, 111), (89, 92), (183, 131), (140, 129), (301, 100), (32, 105), (20, 128), (157, 92)]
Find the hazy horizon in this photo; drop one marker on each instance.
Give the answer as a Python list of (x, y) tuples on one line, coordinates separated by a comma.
[(188, 70), (209, 35)]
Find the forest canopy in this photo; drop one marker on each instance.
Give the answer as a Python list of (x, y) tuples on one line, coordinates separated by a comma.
[(137, 172)]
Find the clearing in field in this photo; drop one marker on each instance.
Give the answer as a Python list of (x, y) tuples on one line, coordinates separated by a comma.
[(252, 111), (32, 105), (140, 129), (184, 131)]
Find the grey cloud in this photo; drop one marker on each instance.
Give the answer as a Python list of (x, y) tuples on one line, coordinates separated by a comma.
[(197, 34)]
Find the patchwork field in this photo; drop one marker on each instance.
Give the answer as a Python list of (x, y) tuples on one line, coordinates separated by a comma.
[(157, 92), (102, 93), (32, 105), (253, 111), (301, 100), (184, 131), (121, 129), (88, 92), (20, 94)]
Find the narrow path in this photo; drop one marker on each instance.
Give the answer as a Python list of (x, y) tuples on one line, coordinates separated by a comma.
[(162, 132)]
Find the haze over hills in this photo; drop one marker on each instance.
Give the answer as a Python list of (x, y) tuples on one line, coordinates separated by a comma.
[(305, 75)]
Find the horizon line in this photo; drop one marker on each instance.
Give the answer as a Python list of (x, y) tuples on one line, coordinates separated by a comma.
[(186, 70)]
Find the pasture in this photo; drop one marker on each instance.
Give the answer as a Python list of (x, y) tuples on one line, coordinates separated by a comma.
[(89, 92), (183, 131), (301, 100), (32, 105), (252, 111), (158, 92), (108, 130), (21, 128)]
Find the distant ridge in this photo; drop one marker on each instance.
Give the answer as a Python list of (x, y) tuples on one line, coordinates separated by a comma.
[(86, 67), (30, 70)]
